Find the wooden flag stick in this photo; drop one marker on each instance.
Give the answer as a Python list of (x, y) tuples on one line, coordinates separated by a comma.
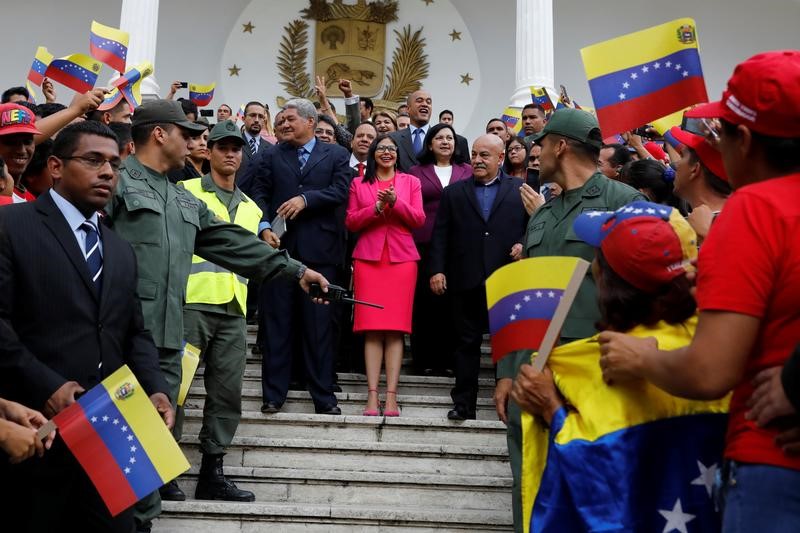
[(45, 430), (554, 329)]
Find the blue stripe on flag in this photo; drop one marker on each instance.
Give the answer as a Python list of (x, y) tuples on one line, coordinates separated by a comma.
[(524, 305)]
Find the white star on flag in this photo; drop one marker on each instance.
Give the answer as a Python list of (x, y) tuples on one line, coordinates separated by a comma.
[(132, 460), (678, 66), (512, 317), (628, 209), (116, 421), (626, 85), (668, 64), (518, 307), (593, 214), (527, 298), (622, 96), (657, 65), (94, 419), (105, 418), (685, 73), (130, 437), (676, 518), (645, 69), (634, 76), (133, 449), (124, 428), (538, 294), (706, 478), (638, 211), (551, 294), (650, 211), (663, 211), (127, 470)]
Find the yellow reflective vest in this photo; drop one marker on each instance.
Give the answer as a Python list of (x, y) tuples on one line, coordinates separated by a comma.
[(209, 283)]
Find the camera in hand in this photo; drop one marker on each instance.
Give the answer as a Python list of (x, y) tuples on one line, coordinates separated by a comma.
[(337, 294)]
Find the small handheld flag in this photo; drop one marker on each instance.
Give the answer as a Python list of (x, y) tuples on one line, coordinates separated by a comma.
[(240, 113), (120, 440), (539, 96), (641, 76), (201, 95), (111, 100), (189, 363), (128, 86), (528, 302), (512, 117), (41, 60), (109, 45), (77, 71), (31, 92)]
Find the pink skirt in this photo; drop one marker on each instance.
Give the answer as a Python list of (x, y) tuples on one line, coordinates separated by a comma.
[(388, 284)]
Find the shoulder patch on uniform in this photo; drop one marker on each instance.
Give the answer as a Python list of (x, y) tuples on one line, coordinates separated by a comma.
[(140, 192), (594, 208), (537, 227), (593, 190), (134, 173), (186, 202)]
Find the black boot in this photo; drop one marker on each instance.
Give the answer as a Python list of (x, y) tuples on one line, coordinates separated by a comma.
[(213, 485), (171, 492)]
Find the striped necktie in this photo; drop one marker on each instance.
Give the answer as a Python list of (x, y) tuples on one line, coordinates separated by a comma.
[(94, 260), (302, 156), (253, 146)]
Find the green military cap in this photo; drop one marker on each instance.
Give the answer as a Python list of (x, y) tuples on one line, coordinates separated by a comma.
[(164, 112), (575, 124), (225, 130)]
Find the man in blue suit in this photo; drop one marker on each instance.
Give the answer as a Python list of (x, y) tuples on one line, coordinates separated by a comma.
[(305, 181)]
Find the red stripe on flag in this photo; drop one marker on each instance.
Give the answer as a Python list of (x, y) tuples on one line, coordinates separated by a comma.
[(108, 57), (631, 114), (35, 77), (76, 84), (518, 335), (95, 458)]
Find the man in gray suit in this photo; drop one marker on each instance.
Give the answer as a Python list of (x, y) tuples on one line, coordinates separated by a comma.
[(254, 116)]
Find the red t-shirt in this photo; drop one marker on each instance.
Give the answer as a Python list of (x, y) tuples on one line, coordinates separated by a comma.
[(750, 264)]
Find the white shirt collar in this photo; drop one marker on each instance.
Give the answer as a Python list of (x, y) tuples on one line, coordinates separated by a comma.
[(74, 217)]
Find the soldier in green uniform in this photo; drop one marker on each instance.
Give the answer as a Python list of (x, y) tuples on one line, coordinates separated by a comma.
[(166, 225), (571, 143)]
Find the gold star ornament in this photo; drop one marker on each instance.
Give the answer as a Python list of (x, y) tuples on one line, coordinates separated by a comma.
[(248, 28), (234, 70), (466, 78), (455, 35), (428, 2)]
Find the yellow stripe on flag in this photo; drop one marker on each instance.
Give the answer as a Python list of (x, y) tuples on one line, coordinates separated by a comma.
[(189, 362), (635, 48), (201, 89), (147, 425), (663, 124), (107, 32), (541, 272)]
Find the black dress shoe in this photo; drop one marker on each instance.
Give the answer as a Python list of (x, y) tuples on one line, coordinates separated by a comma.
[(171, 492), (459, 414), (270, 408), (329, 410)]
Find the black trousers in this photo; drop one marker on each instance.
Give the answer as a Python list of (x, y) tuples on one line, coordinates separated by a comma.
[(53, 493), (471, 321), (432, 329)]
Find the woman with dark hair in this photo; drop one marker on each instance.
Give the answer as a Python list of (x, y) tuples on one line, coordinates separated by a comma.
[(384, 207), (653, 179), (198, 161), (431, 344), (385, 122), (516, 160)]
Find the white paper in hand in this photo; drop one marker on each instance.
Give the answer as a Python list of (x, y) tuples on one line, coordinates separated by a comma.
[(279, 226)]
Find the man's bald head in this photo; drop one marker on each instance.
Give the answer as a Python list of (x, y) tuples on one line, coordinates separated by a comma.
[(488, 152), (420, 105)]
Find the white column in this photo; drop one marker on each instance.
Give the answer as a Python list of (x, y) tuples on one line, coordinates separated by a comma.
[(534, 48), (140, 19)]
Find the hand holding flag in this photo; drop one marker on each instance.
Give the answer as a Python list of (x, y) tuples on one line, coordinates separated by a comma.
[(109, 45)]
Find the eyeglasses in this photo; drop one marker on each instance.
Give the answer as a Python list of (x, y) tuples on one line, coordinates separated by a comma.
[(95, 163), (320, 131), (516, 148), (386, 148)]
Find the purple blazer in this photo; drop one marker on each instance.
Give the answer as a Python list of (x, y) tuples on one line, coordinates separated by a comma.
[(432, 193)]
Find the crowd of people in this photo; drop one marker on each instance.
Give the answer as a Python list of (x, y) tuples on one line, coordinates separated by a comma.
[(135, 231)]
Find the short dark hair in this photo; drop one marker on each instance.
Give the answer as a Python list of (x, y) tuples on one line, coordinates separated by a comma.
[(123, 132), (534, 106), (445, 112), (782, 153), (142, 132), (229, 107), (653, 175), (367, 103), (427, 156), (623, 306), (29, 105), (98, 114), (371, 172), (589, 152), (495, 120), (327, 120), (252, 102), (67, 140), (620, 156), (48, 108), (714, 182), (188, 106), (8, 93)]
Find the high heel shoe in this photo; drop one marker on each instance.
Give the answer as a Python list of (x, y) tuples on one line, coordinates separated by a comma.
[(391, 413), (371, 412)]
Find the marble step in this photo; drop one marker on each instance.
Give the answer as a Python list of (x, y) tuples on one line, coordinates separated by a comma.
[(351, 403), (487, 369), (400, 458), (194, 516), (402, 429)]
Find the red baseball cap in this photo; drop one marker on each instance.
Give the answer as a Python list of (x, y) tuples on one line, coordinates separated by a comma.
[(646, 244), (708, 155), (763, 94), (656, 151), (15, 118)]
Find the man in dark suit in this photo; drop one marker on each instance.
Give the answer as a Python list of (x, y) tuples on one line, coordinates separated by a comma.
[(479, 227), (305, 181), (69, 317), (410, 140), (255, 115)]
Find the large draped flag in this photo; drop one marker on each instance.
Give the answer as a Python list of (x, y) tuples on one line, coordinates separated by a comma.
[(201, 95), (120, 440), (77, 71), (41, 60), (644, 75), (109, 45), (528, 301), (627, 457), (512, 117), (128, 86)]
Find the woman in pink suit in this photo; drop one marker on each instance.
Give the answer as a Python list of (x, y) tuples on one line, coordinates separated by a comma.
[(384, 206)]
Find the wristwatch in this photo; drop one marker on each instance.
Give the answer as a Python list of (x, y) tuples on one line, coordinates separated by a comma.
[(301, 271)]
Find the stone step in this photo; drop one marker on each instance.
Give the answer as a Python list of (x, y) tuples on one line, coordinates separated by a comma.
[(485, 462), (194, 516), (402, 429), (487, 369), (351, 403)]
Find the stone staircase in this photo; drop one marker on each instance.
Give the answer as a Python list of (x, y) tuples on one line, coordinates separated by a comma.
[(317, 473)]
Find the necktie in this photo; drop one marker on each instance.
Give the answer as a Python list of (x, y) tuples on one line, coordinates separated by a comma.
[(302, 157), (360, 168), (418, 134), (92, 254), (253, 146)]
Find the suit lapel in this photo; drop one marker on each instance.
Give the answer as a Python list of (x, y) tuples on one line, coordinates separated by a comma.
[(469, 191), (506, 184), (289, 154), (58, 226), (319, 153), (429, 173), (109, 268)]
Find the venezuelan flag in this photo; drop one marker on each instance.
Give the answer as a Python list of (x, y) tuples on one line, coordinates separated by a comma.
[(121, 442), (512, 117), (645, 75), (523, 298), (31, 92), (240, 113), (41, 60), (111, 100), (627, 457), (135, 74), (539, 96), (109, 45), (77, 71), (201, 95)]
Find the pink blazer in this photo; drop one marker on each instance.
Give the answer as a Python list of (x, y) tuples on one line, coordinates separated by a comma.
[(393, 226)]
